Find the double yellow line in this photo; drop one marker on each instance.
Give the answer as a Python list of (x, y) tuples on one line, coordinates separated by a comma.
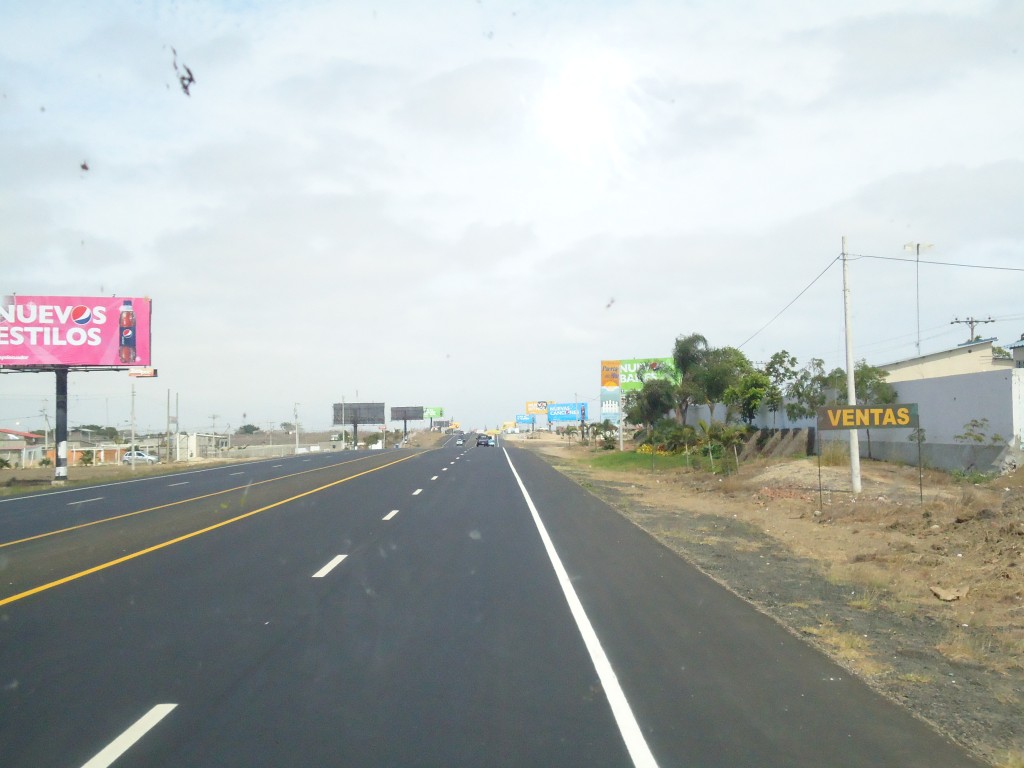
[(163, 545)]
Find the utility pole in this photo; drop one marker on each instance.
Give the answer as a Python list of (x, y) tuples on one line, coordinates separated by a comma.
[(851, 387), (131, 447), (168, 435), (916, 247), (972, 323), (296, 414)]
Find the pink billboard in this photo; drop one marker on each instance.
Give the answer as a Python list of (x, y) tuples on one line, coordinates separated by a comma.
[(75, 330)]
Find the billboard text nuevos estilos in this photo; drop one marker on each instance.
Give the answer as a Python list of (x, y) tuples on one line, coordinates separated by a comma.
[(75, 330)]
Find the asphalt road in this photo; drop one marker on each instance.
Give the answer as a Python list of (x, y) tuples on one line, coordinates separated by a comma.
[(461, 606)]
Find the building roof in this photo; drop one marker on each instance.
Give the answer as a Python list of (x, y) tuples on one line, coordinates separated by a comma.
[(23, 435)]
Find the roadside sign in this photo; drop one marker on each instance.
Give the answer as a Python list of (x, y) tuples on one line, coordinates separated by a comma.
[(868, 416)]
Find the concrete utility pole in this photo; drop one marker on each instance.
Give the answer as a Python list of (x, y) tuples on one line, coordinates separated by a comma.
[(972, 323), (296, 414), (851, 387)]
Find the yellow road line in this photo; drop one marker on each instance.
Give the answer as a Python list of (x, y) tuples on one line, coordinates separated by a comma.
[(162, 545), (182, 501)]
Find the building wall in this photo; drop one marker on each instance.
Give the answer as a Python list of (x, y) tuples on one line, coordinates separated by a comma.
[(973, 358), (945, 406)]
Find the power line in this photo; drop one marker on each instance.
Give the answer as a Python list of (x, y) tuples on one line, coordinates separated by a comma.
[(936, 263), (791, 303)]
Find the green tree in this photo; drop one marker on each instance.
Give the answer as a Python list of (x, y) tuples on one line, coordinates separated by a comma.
[(651, 403), (748, 393), (688, 354), (781, 369), (872, 389), (248, 429), (720, 368), (812, 387)]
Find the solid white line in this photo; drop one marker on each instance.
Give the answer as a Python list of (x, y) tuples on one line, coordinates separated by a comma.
[(122, 743), (174, 484), (329, 567), (85, 501), (623, 713), (232, 474), (390, 514), (417, 492)]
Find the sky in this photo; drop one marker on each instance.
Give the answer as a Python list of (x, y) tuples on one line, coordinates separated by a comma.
[(469, 204)]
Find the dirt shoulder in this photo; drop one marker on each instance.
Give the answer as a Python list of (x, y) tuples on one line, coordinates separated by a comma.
[(867, 579)]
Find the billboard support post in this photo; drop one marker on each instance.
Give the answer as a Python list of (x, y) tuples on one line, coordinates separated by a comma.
[(60, 435)]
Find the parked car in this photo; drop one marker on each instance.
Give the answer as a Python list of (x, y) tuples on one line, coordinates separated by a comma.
[(139, 457)]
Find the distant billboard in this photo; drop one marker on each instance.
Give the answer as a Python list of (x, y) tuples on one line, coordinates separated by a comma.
[(633, 373), (359, 413), (433, 413), (525, 418), (537, 407), (610, 373), (75, 330), (567, 411), (443, 424), (611, 404), (407, 413)]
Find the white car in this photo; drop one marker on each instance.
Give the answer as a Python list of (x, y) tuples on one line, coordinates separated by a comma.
[(460, 441), (139, 457)]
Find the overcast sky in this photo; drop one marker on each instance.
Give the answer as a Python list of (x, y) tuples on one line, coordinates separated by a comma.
[(471, 203)]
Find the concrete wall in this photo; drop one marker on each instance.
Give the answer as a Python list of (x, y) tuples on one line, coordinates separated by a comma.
[(945, 406)]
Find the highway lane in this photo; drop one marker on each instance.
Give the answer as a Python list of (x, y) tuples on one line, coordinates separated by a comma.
[(442, 638), (35, 513), (47, 537)]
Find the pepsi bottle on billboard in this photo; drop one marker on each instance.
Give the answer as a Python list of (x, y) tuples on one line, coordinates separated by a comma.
[(126, 328)]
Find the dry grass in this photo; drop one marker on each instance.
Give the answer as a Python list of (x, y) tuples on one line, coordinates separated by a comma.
[(1011, 759), (851, 649)]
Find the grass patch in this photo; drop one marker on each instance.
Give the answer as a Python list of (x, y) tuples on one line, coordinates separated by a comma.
[(835, 453), (916, 678), (1011, 759), (636, 462), (851, 648)]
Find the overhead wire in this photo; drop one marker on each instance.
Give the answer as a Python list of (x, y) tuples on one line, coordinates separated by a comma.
[(791, 303), (855, 256), (934, 263)]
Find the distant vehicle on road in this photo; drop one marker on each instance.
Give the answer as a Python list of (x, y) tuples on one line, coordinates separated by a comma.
[(460, 441), (483, 440), (139, 457)]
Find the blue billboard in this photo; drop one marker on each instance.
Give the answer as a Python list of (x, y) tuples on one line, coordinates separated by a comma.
[(567, 411), (525, 418)]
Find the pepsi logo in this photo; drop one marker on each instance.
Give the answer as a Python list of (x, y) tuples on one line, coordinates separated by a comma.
[(127, 333), (81, 315)]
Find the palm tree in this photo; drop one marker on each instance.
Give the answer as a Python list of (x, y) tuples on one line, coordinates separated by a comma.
[(689, 354)]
